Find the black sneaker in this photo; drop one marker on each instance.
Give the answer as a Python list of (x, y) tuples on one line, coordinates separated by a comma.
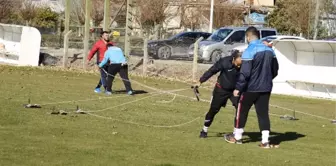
[(203, 134), (265, 145), (231, 139)]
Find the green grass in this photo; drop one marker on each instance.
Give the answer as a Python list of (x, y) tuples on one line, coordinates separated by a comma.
[(34, 137)]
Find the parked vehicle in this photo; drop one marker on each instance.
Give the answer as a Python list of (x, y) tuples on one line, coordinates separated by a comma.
[(175, 46), (269, 40), (223, 40)]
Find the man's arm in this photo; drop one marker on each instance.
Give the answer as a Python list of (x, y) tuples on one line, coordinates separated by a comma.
[(218, 66), (245, 71), (92, 52), (275, 67), (104, 61)]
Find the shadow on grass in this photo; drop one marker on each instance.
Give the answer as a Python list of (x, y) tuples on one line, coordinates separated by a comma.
[(136, 92), (275, 138)]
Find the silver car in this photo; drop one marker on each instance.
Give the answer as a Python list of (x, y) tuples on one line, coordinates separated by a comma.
[(223, 40)]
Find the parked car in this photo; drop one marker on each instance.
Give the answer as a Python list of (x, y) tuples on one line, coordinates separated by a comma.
[(223, 40), (175, 46), (269, 40)]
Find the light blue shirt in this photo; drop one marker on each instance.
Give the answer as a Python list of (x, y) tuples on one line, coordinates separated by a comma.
[(115, 55)]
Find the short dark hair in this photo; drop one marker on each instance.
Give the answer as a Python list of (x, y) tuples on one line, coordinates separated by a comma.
[(252, 30), (236, 54), (103, 32)]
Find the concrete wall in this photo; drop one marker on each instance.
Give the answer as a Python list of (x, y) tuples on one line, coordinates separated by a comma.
[(22, 42)]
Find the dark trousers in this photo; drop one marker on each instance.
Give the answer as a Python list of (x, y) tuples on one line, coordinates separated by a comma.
[(261, 103), (123, 72), (219, 99), (103, 77)]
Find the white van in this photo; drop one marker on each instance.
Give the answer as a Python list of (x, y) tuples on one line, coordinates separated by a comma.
[(223, 40)]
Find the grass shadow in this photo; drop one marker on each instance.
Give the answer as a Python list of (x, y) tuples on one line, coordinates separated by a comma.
[(275, 138), (136, 92)]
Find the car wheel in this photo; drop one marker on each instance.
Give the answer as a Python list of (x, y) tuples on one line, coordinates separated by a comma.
[(164, 52), (215, 56)]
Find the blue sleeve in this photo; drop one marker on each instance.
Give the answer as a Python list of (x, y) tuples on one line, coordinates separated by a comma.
[(106, 57), (245, 70)]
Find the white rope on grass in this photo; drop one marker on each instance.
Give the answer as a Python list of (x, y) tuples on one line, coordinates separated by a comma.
[(166, 102), (133, 101), (146, 125), (75, 101), (155, 89)]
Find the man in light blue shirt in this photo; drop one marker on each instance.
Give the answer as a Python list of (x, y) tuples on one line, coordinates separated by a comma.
[(118, 64)]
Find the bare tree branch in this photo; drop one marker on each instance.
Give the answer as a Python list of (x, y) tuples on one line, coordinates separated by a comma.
[(6, 9)]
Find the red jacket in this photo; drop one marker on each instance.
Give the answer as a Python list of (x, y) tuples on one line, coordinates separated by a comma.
[(100, 47)]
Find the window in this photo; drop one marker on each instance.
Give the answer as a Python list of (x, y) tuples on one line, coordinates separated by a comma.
[(205, 35), (191, 36), (237, 37), (220, 35), (265, 33)]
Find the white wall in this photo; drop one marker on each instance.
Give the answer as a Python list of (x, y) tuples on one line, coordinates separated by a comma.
[(20, 41), (307, 68)]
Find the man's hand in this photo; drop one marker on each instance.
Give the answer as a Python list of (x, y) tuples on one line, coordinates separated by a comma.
[(236, 93), (98, 68)]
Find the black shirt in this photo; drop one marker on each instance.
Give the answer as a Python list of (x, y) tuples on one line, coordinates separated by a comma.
[(228, 73)]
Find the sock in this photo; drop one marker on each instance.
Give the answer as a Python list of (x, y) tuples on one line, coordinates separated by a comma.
[(238, 133), (265, 136), (205, 129)]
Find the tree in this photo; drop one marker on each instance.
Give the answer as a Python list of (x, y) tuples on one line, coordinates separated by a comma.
[(191, 16), (227, 14), (45, 18), (150, 14), (27, 11), (6, 9), (97, 13), (292, 17)]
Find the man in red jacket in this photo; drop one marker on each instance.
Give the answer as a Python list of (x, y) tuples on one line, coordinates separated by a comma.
[(100, 46)]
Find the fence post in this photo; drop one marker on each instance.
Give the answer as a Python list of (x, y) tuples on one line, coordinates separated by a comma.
[(86, 31), (106, 15), (145, 58), (66, 47), (195, 62)]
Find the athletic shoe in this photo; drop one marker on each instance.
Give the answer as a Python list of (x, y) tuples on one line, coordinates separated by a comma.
[(97, 90), (130, 92), (265, 145), (108, 93), (231, 139), (203, 134)]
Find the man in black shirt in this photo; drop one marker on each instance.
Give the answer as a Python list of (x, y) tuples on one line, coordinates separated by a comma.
[(225, 85)]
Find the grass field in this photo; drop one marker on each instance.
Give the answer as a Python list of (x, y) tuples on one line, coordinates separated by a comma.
[(34, 137)]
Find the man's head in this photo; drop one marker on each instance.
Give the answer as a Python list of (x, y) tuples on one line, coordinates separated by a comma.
[(105, 35), (251, 34), (237, 61)]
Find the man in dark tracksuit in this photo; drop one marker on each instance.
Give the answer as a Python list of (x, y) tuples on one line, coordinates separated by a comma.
[(254, 85), (228, 68)]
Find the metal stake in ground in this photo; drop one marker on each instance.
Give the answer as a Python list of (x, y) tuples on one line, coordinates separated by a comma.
[(196, 92), (29, 105), (79, 111)]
